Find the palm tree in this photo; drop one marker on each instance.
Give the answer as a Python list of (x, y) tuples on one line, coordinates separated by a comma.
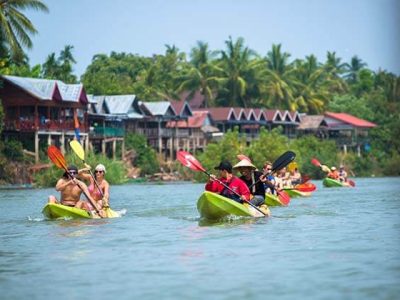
[(356, 64), (236, 65), (334, 68), (280, 82), (200, 76), (51, 68), (15, 27)]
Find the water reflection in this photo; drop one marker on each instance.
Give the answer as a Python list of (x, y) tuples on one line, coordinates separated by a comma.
[(231, 221)]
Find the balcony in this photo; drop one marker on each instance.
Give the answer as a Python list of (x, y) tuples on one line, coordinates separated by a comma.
[(107, 132)]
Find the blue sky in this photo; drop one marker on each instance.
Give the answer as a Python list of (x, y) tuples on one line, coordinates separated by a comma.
[(367, 28)]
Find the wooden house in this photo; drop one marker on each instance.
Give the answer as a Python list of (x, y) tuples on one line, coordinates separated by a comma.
[(43, 111)]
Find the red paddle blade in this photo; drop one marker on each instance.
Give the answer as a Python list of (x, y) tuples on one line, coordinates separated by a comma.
[(351, 182), (188, 160), (305, 178), (242, 157), (315, 162), (285, 198), (56, 157)]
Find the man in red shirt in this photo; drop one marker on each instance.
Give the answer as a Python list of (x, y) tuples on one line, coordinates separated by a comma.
[(233, 182)]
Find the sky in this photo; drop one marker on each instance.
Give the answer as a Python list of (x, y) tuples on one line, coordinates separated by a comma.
[(369, 29)]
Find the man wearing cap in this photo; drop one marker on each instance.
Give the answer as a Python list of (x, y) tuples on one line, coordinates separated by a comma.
[(333, 174), (71, 189), (251, 177), (241, 191)]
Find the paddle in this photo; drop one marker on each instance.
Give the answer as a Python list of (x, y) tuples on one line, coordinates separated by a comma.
[(282, 161), (78, 149), (58, 159), (324, 168), (188, 160), (316, 163)]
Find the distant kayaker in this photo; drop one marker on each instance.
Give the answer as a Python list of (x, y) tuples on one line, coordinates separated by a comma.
[(251, 177), (101, 196), (233, 182), (295, 176), (268, 178), (342, 174), (333, 174), (71, 190)]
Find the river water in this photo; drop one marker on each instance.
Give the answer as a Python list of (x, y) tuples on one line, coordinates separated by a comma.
[(341, 243)]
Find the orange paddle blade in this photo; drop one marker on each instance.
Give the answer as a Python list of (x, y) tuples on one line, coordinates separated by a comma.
[(56, 157), (351, 182)]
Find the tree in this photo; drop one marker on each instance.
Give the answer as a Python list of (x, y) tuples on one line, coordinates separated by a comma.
[(200, 74), (279, 81), (352, 69), (15, 27), (237, 65), (60, 68)]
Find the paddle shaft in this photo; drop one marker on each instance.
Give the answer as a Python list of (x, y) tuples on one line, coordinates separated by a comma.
[(226, 186), (60, 162)]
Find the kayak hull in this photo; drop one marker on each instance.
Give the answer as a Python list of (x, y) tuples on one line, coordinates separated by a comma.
[(329, 182), (273, 200), (295, 193), (58, 211), (214, 206)]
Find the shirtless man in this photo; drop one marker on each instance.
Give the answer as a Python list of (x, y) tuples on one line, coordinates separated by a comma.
[(71, 190)]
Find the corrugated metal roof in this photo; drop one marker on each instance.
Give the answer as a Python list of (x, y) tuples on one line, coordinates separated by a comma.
[(70, 92), (42, 89), (158, 108), (120, 104), (349, 119), (45, 89), (311, 122)]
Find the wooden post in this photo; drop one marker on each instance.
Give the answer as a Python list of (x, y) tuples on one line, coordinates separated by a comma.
[(114, 146), (103, 147), (36, 146), (159, 137), (62, 142), (123, 148)]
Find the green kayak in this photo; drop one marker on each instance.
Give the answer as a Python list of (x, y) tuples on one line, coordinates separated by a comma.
[(59, 211), (273, 200), (214, 206), (329, 182), (295, 193)]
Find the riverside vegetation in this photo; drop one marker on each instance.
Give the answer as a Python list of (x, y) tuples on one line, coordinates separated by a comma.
[(234, 76)]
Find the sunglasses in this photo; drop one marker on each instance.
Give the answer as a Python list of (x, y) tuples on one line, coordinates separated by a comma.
[(98, 171), (73, 172)]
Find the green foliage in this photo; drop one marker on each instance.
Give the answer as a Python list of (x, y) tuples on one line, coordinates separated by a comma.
[(146, 157), (392, 165), (1, 114), (12, 149), (309, 147), (115, 170), (352, 105), (269, 146)]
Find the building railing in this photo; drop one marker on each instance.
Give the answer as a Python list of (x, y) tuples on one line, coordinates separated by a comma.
[(107, 132)]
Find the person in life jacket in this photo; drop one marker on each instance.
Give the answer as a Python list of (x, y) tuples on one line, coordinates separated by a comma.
[(333, 174), (237, 191), (252, 178)]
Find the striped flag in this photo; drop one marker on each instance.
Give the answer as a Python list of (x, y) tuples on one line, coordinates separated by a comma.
[(76, 126)]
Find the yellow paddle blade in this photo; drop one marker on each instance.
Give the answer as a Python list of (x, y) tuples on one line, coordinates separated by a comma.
[(325, 168), (292, 166), (110, 213), (78, 149)]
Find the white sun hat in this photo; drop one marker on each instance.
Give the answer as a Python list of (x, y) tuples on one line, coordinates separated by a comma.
[(244, 163)]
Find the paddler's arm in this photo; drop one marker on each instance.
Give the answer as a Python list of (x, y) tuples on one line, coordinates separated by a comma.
[(106, 195), (62, 184)]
